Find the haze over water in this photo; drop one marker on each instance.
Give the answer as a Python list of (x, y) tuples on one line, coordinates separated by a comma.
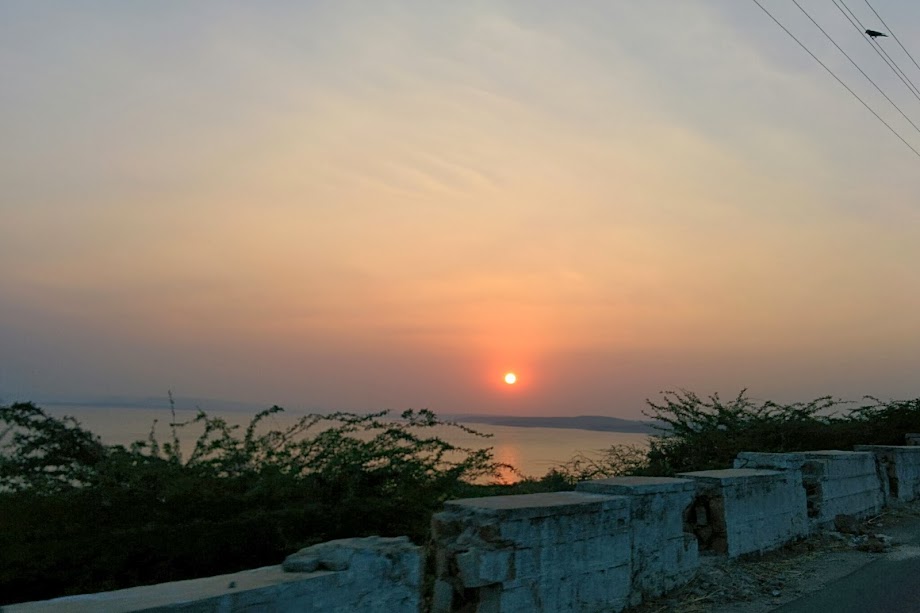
[(532, 451)]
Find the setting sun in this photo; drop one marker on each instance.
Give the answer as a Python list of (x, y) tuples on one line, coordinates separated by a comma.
[(510, 378)]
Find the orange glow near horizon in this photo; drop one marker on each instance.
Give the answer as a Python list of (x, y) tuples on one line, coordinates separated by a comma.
[(510, 457), (452, 197), (511, 384)]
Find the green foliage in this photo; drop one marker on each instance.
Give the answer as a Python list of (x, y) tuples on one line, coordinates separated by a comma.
[(555, 480), (615, 461), (43, 453), (81, 516), (704, 434)]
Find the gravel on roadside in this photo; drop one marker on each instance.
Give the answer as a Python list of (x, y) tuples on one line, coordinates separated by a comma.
[(758, 584)]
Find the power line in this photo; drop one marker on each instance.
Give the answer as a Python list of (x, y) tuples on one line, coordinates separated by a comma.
[(831, 72), (893, 35), (900, 70), (879, 50), (846, 55)]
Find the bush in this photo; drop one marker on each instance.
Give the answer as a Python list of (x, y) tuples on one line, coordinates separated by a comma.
[(704, 434), (615, 461), (81, 516)]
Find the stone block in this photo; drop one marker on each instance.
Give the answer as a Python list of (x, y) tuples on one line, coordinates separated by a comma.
[(774, 461), (479, 567), (664, 555), (540, 552), (534, 506), (374, 574), (841, 464), (899, 470), (835, 482), (741, 511)]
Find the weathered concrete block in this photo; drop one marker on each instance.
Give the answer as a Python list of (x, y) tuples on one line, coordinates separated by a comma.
[(835, 482), (899, 470), (480, 567), (741, 510), (840, 464), (374, 574), (564, 551), (844, 482), (773, 461), (664, 555)]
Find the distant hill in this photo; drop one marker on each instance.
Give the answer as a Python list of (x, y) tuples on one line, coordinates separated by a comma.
[(156, 402), (597, 423)]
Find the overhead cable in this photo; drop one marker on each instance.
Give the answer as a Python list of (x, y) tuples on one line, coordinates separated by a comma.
[(839, 80), (846, 55), (879, 50), (895, 36)]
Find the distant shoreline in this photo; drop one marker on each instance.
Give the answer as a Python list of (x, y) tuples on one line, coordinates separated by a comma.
[(595, 423)]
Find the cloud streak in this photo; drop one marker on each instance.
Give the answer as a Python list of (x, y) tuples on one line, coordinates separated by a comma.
[(359, 206)]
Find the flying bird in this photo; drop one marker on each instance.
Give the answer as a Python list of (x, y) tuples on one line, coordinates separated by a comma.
[(874, 34)]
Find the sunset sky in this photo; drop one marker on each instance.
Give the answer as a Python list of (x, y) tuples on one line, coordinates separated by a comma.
[(390, 204)]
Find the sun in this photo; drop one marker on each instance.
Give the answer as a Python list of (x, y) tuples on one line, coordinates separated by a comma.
[(510, 378)]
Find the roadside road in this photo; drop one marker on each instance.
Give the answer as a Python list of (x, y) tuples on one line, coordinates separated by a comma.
[(826, 573), (890, 584)]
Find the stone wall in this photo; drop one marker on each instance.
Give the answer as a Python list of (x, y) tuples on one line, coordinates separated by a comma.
[(899, 470), (664, 555), (369, 574), (743, 510), (564, 551), (835, 482), (612, 543)]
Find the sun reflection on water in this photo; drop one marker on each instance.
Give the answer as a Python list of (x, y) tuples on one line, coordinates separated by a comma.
[(511, 455)]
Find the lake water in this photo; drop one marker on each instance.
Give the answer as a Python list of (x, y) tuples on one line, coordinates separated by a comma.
[(533, 451)]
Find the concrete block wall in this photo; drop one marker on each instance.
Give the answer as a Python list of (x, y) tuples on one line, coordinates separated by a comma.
[(664, 555), (835, 482), (842, 483), (898, 469), (743, 510), (564, 551), (345, 576), (612, 543)]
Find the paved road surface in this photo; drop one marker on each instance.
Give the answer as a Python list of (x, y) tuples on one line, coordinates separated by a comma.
[(890, 584)]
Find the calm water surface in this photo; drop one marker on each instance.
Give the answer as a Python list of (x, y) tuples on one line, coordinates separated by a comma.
[(532, 450)]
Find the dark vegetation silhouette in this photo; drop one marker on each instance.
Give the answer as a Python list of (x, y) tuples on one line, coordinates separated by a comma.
[(707, 433), (82, 516)]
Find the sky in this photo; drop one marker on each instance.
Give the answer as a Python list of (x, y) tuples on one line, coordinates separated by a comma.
[(390, 204)]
